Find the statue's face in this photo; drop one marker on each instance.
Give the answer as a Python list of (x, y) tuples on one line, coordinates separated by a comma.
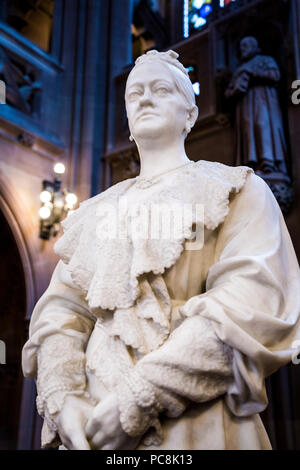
[(155, 107), (248, 47)]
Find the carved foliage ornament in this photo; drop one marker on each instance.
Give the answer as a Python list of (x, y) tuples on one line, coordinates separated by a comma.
[(21, 83)]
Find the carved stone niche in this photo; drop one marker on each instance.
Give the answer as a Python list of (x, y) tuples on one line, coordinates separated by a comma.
[(251, 74), (22, 85)]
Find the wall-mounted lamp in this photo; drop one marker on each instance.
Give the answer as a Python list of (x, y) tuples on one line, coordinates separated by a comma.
[(56, 203)]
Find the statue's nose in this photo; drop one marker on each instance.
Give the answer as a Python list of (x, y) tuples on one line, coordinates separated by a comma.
[(146, 98)]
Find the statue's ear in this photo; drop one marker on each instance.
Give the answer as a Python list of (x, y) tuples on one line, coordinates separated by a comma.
[(193, 114)]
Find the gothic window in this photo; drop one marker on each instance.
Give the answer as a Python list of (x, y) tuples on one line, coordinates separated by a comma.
[(195, 15), (198, 13), (224, 3), (32, 18)]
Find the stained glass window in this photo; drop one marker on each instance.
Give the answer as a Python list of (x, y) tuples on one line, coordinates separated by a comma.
[(224, 3), (195, 15)]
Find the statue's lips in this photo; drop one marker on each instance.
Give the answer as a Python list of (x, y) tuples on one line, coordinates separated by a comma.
[(146, 115)]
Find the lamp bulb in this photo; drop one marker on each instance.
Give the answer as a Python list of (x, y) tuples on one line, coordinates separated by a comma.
[(44, 212), (71, 200), (59, 168), (45, 196)]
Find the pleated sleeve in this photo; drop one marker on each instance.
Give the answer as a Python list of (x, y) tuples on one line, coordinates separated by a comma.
[(54, 354)]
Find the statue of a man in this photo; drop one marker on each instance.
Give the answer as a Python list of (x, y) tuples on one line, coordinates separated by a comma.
[(260, 140), (144, 339)]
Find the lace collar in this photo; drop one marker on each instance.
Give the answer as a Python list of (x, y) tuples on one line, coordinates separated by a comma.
[(109, 270)]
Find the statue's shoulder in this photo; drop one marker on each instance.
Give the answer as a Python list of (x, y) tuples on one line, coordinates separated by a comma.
[(113, 190), (234, 176), (82, 221), (87, 207), (211, 184), (266, 61)]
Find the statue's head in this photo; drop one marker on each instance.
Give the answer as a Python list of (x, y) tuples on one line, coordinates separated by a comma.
[(159, 97), (249, 47)]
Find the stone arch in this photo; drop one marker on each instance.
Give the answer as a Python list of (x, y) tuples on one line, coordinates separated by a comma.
[(18, 393), (11, 210)]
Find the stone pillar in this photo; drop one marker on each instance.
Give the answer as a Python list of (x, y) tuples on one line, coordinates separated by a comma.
[(120, 54)]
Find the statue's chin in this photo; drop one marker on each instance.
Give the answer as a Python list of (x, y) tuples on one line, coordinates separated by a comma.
[(148, 132), (249, 55)]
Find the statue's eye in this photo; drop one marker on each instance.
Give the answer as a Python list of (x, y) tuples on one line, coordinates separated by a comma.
[(133, 95), (162, 90)]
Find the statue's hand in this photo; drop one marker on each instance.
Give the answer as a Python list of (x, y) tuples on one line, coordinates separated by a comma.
[(242, 82), (104, 430), (71, 422), (238, 85), (245, 68)]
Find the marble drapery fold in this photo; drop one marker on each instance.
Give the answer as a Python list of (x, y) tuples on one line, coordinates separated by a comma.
[(252, 259), (111, 272), (253, 295)]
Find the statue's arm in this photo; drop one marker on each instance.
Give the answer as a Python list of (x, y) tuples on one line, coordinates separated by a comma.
[(238, 85), (262, 67), (241, 330), (193, 365), (54, 354)]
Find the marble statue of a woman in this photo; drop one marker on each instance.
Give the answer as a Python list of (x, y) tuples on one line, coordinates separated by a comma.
[(162, 339)]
